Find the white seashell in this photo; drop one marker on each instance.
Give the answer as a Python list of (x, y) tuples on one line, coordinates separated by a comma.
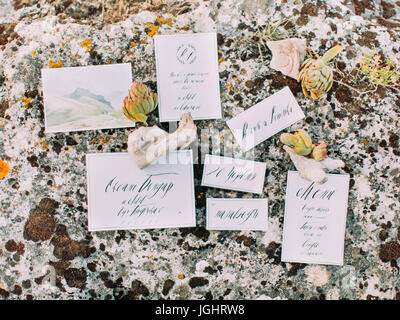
[(147, 144), (311, 169), (286, 55)]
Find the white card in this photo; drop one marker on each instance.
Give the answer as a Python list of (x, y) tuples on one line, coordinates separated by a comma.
[(86, 98), (187, 76), (233, 174), (122, 196), (265, 119), (237, 214), (315, 219)]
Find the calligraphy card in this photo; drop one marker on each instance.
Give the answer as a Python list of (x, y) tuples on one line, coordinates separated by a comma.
[(187, 76), (86, 98), (315, 219), (237, 214), (122, 196), (233, 174), (265, 119)]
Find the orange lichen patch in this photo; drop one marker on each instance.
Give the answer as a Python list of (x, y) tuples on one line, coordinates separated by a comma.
[(86, 44), (161, 20), (53, 64), (33, 53), (143, 41), (364, 141), (185, 28), (151, 257), (4, 169), (109, 61), (153, 29), (133, 44), (181, 276), (220, 60)]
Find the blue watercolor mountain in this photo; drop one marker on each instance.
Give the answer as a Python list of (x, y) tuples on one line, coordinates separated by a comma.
[(80, 92)]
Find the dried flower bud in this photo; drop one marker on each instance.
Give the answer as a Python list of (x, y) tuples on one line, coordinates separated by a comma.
[(319, 151)]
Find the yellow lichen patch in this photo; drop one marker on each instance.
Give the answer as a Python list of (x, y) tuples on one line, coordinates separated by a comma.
[(4, 169), (161, 20), (181, 276), (53, 64), (87, 44), (33, 53), (185, 28), (109, 61), (364, 141), (220, 60), (153, 29)]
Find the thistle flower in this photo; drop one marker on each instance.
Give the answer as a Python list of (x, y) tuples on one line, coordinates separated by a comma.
[(139, 102), (300, 141), (316, 75), (319, 151)]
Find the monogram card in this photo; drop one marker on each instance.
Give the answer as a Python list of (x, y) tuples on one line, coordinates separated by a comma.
[(233, 174), (122, 196), (265, 119), (187, 76), (237, 214), (315, 220)]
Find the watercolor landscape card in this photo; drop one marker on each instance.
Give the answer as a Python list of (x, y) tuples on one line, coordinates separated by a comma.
[(86, 98)]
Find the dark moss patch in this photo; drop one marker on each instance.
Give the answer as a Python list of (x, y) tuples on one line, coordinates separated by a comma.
[(138, 289), (40, 225), (197, 282), (67, 249), (389, 251), (76, 278), (168, 284), (200, 232), (4, 105), (247, 241), (295, 268), (11, 246)]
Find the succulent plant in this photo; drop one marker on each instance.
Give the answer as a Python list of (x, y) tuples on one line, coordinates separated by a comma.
[(302, 145), (139, 102), (316, 75), (319, 151), (300, 141)]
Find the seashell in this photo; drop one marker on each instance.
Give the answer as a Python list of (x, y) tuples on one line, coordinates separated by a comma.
[(139, 102), (311, 169), (286, 55), (147, 144)]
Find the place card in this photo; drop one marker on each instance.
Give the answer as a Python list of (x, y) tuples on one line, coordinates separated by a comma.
[(315, 219), (237, 214), (122, 196), (233, 174), (187, 76), (265, 119), (86, 98)]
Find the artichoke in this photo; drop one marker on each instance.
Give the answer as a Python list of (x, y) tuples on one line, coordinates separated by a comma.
[(139, 102), (316, 75), (300, 141)]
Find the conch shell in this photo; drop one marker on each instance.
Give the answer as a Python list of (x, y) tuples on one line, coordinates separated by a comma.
[(286, 55), (147, 144), (311, 169)]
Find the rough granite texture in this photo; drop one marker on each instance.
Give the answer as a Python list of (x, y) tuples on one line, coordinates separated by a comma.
[(43, 217)]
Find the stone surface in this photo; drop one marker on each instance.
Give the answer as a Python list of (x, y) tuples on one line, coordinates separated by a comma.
[(43, 217)]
